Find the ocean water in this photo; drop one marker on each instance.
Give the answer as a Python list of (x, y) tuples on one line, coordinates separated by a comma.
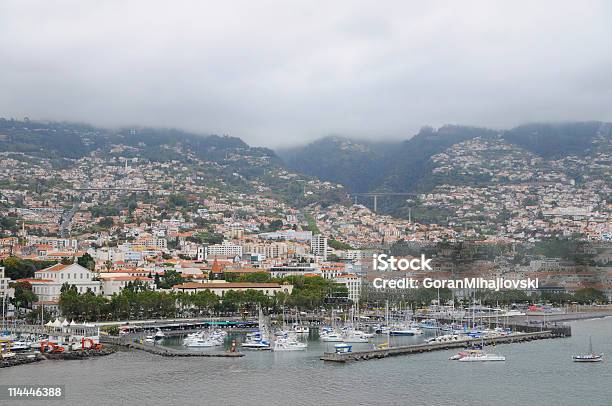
[(535, 373)]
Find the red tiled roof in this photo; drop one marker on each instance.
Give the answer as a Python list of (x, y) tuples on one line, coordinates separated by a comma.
[(55, 268), (32, 280), (229, 285), (128, 278)]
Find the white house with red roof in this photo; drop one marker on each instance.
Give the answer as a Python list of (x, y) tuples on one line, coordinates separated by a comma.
[(47, 283)]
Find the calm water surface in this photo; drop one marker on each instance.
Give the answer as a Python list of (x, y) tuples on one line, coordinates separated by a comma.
[(535, 373)]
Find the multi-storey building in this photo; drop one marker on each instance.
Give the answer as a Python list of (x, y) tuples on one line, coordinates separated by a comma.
[(318, 246), (226, 248)]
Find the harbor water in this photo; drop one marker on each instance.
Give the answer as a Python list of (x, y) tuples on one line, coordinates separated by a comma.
[(534, 373)]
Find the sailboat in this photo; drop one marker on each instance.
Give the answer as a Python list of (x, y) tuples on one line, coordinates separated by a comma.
[(590, 357), (260, 339)]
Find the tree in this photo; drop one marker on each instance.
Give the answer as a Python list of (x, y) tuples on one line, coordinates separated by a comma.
[(204, 301), (69, 301), (17, 268), (106, 222), (23, 297), (87, 261), (589, 295), (170, 278), (256, 277)]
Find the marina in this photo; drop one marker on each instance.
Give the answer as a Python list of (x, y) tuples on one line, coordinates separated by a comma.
[(543, 367)]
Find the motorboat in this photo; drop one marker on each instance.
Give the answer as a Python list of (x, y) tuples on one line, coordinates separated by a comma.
[(20, 346), (256, 341), (331, 337), (300, 329), (354, 336), (405, 330), (289, 343), (159, 335), (200, 342)]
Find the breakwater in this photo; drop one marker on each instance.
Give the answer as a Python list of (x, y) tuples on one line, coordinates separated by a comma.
[(166, 351), (419, 348)]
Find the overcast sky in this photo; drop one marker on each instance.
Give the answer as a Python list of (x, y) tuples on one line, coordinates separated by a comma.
[(285, 72)]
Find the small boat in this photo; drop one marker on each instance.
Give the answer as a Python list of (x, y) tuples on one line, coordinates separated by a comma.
[(465, 353), (482, 358), (405, 330), (288, 343), (159, 335), (7, 354), (343, 348), (331, 338), (300, 329), (20, 346), (477, 356), (591, 357), (429, 324), (200, 342), (149, 339), (256, 341)]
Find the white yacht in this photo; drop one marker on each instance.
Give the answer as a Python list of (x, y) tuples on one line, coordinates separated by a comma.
[(200, 342), (354, 336), (405, 330), (590, 357), (20, 346), (288, 343), (481, 357), (257, 341), (331, 337)]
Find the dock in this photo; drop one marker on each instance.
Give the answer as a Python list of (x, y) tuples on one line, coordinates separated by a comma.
[(166, 351), (428, 347)]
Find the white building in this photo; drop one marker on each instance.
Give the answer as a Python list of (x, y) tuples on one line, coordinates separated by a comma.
[(226, 248), (352, 283), (318, 246), (5, 292), (3, 282), (112, 284), (295, 269), (273, 250), (58, 244), (47, 283)]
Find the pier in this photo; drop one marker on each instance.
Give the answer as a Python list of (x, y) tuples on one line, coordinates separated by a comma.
[(166, 351), (428, 347)]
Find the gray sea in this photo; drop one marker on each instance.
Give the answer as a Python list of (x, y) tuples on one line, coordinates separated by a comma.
[(535, 373)]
